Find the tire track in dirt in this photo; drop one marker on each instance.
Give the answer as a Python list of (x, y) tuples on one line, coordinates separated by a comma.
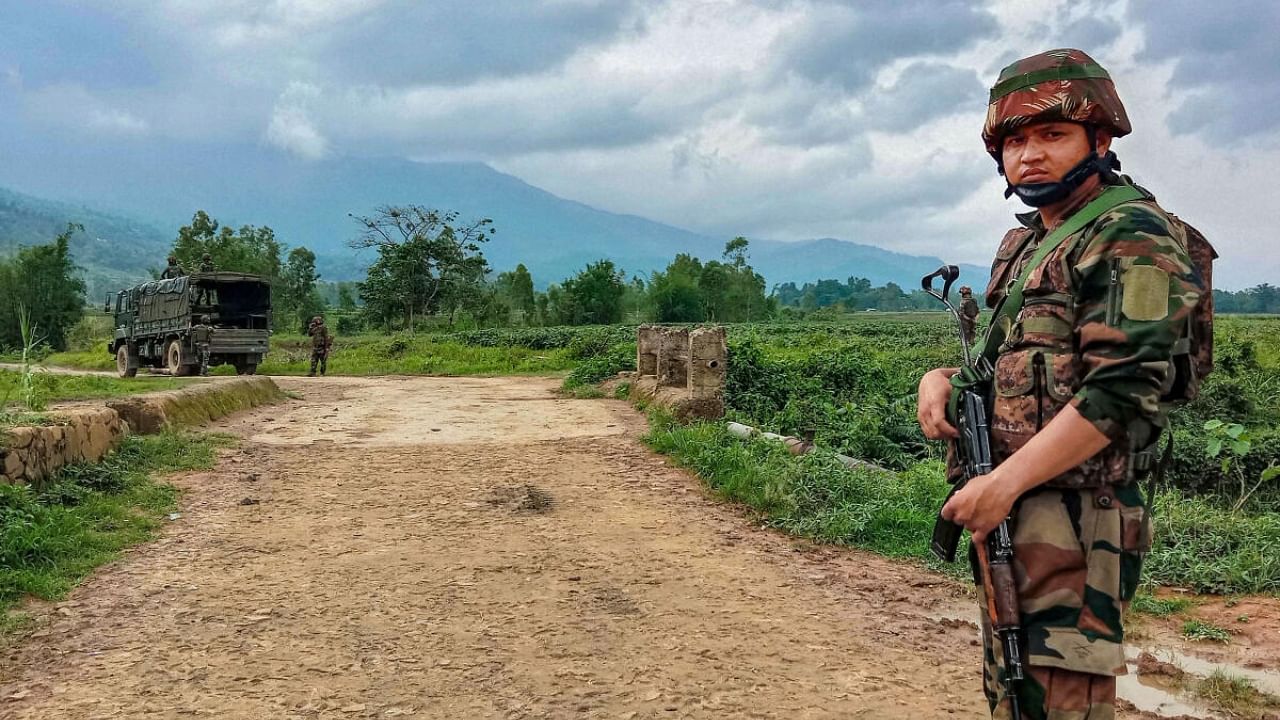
[(479, 548)]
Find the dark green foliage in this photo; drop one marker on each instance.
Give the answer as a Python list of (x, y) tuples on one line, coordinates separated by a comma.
[(299, 299), (855, 391), (248, 250), (42, 281), (675, 293), (603, 365), (543, 338), (592, 297), (1264, 298), (854, 294)]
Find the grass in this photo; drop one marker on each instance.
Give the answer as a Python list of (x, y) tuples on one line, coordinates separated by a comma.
[(54, 535), (1200, 630), (82, 360), (413, 355), (54, 387), (1236, 696), (812, 495), (1148, 604), (1209, 549), (1197, 545)]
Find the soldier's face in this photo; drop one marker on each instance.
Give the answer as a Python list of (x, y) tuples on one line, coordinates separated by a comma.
[(1046, 152)]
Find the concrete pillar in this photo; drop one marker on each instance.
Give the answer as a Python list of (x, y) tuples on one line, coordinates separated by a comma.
[(673, 358), (648, 338), (707, 362)]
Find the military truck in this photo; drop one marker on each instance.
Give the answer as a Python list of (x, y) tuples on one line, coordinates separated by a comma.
[(153, 322)]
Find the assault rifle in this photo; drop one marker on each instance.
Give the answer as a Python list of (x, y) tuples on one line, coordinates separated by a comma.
[(995, 556)]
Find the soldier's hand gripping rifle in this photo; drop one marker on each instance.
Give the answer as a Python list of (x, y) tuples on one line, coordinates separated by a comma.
[(995, 556)]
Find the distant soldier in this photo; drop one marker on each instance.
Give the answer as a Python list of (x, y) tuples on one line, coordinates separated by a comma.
[(174, 270), (206, 263), (202, 339), (321, 342), (968, 314)]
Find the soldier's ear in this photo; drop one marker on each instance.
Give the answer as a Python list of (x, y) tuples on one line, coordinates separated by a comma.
[(1104, 141)]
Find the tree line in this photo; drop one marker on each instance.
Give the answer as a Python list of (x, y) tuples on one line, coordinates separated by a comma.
[(430, 270), (431, 265)]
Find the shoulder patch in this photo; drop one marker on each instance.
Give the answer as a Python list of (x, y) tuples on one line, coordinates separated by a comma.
[(1146, 293)]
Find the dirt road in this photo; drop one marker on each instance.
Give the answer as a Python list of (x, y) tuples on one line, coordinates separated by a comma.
[(478, 548)]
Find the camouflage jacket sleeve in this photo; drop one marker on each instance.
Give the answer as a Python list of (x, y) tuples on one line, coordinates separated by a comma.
[(1135, 290)]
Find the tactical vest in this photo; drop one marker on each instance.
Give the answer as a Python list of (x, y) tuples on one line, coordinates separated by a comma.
[(1038, 369)]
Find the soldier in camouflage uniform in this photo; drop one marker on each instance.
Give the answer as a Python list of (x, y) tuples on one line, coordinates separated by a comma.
[(202, 339), (321, 341), (206, 263), (968, 314), (173, 269), (1076, 383)]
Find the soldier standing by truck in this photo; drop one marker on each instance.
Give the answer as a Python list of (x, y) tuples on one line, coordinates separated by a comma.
[(202, 340), (321, 341)]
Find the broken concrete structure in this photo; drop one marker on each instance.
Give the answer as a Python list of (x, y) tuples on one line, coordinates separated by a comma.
[(681, 369)]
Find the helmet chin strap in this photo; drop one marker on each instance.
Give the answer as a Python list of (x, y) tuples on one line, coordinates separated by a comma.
[(1041, 194)]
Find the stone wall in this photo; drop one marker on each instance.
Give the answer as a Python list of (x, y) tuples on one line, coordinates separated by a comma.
[(87, 433), (31, 454)]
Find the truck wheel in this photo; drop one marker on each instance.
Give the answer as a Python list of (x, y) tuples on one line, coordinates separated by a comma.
[(246, 368), (126, 366), (173, 360)]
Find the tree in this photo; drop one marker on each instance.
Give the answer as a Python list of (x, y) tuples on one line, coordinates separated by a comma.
[(247, 250), (45, 281), (426, 262), (595, 294), (521, 293), (346, 299), (299, 296), (674, 292)]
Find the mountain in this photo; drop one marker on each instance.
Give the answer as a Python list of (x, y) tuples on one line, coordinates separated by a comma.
[(309, 202), (114, 251), (810, 260)]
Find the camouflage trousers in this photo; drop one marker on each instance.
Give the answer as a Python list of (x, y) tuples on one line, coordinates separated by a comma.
[(1077, 559), (202, 354), (1047, 693), (319, 356)]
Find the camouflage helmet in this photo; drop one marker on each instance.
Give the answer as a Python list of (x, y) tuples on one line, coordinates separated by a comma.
[(317, 320), (966, 290), (1057, 85), (173, 259), (205, 319)]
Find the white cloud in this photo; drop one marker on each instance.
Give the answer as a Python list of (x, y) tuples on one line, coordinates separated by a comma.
[(115, 121), (787, 119), (291, 129)]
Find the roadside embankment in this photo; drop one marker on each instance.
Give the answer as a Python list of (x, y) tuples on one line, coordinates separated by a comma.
[(86, 433)]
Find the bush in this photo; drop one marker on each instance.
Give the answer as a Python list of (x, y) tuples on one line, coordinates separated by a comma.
[(616, 359)]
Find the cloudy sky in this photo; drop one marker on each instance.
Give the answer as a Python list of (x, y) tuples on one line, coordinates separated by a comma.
[(785, 119)]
